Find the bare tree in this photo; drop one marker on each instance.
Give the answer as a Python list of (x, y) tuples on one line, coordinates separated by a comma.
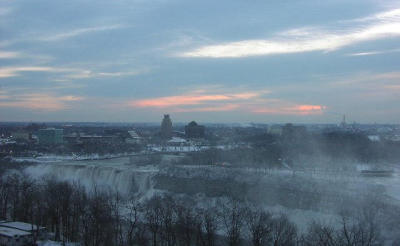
[(5, 193), (284, 233), (210, 225), (116, 206), (168, 219), (232, 217), (259, 224), (320, 235), (153, 218), (185, 224), (132, 218), (358, 232)]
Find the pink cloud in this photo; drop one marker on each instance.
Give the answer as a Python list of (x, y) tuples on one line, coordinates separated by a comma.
[(163, 102), (191, 99), (216, 108), (301, 109), (392, 87), (252, 102)]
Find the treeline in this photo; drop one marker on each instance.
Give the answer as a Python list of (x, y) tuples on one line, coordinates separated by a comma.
[(337, 145), (102, 218), (296, 144)]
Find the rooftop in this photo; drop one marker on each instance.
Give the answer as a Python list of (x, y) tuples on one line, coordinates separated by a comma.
[(12, 232), (20, 225), (177, 140)]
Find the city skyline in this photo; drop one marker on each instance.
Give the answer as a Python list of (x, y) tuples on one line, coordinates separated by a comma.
[(231, 61)]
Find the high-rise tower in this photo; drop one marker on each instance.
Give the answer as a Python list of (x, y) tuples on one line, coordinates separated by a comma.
[(343, 124), (166, 127)]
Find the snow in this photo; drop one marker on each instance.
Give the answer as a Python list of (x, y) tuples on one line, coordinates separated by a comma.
[(20, 226), (12, 232), (177, 140), (62, 158), (53, 243)]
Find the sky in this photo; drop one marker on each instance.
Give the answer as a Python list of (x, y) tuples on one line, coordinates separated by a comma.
[(299, 61)]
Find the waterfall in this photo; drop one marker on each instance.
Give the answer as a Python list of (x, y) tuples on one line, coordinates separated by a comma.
[(124, 179)]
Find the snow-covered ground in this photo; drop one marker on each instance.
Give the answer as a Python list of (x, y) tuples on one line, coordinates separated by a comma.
[(53, 243), (61, 158)]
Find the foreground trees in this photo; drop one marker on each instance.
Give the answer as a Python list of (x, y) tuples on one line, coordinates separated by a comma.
[(98, 218)]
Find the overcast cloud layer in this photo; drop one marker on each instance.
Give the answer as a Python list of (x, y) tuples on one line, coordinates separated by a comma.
[(209, 61)]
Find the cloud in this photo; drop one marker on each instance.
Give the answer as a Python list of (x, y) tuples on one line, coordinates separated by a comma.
[(190, 99), (392, 87), (286, 108), (6, 72), (4, 11), (38, 101), (78, 32), (84, 74), (376, 52), (379, 26), (67, 72), (8, 54), (246, 102), (215, 108), (365, 80)]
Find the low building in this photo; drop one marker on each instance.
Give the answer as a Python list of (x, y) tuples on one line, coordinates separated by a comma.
[(50, 136), (21, 135), (20, 233), (275, 130), (71, 138), (14, 237), (374, 138), (193, 130), (176, 141), (133, 138), (21, 226)]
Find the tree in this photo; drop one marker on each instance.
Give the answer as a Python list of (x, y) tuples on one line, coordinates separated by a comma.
[(232, 217), (259, 224), (153, 217), (284, 233)]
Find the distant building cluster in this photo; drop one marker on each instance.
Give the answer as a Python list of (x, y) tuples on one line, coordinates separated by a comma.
[(192, 130), (81, 140)]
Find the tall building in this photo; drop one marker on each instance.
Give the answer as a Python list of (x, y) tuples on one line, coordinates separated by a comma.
[(193, 130), (50, 136), (166, 127), (343, 124)]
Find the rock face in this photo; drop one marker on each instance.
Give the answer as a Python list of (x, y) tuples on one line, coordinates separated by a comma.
[(166, 127)]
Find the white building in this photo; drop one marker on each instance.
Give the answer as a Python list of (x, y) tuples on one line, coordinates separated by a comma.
[(133, 138), (14, 237), (19, 233)]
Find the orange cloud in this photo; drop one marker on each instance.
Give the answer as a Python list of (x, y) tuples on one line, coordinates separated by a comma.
[(301, 109), (164, 102), (252, 102), (392, 87), (226, 107), (309, 109)]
